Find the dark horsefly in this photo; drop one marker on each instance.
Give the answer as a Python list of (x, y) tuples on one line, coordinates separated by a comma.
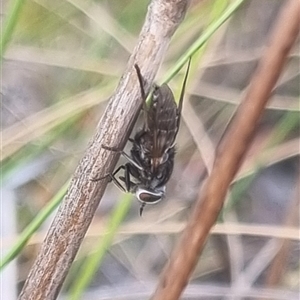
[(151, 160)]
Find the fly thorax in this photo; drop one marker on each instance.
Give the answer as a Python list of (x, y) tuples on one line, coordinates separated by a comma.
[(156, 162)]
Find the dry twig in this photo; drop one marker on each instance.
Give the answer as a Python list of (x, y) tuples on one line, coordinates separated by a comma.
[(229, 155), (76, 212)]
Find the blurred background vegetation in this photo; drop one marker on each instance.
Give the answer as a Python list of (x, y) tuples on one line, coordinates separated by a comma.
[(61, 61)]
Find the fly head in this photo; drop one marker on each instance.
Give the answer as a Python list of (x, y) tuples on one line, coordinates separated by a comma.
[(147, 196)]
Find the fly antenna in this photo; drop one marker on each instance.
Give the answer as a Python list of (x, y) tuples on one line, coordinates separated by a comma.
[(141, 81)]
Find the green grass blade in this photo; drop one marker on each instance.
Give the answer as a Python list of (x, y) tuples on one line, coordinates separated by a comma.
[(10, 24), (203, 39), (33, 226)]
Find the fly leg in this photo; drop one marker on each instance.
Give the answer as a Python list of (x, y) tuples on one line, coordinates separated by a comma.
[(141, 82), (112, 178), (143, 93), (125, 179), (124, 154)]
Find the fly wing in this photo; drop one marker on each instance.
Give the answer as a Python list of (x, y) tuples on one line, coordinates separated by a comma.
[(163, 117), (162, 120)]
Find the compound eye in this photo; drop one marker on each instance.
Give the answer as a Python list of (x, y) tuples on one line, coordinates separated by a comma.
[(149, 198)]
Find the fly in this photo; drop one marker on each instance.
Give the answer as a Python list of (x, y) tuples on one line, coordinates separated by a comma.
[(151, 160)]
